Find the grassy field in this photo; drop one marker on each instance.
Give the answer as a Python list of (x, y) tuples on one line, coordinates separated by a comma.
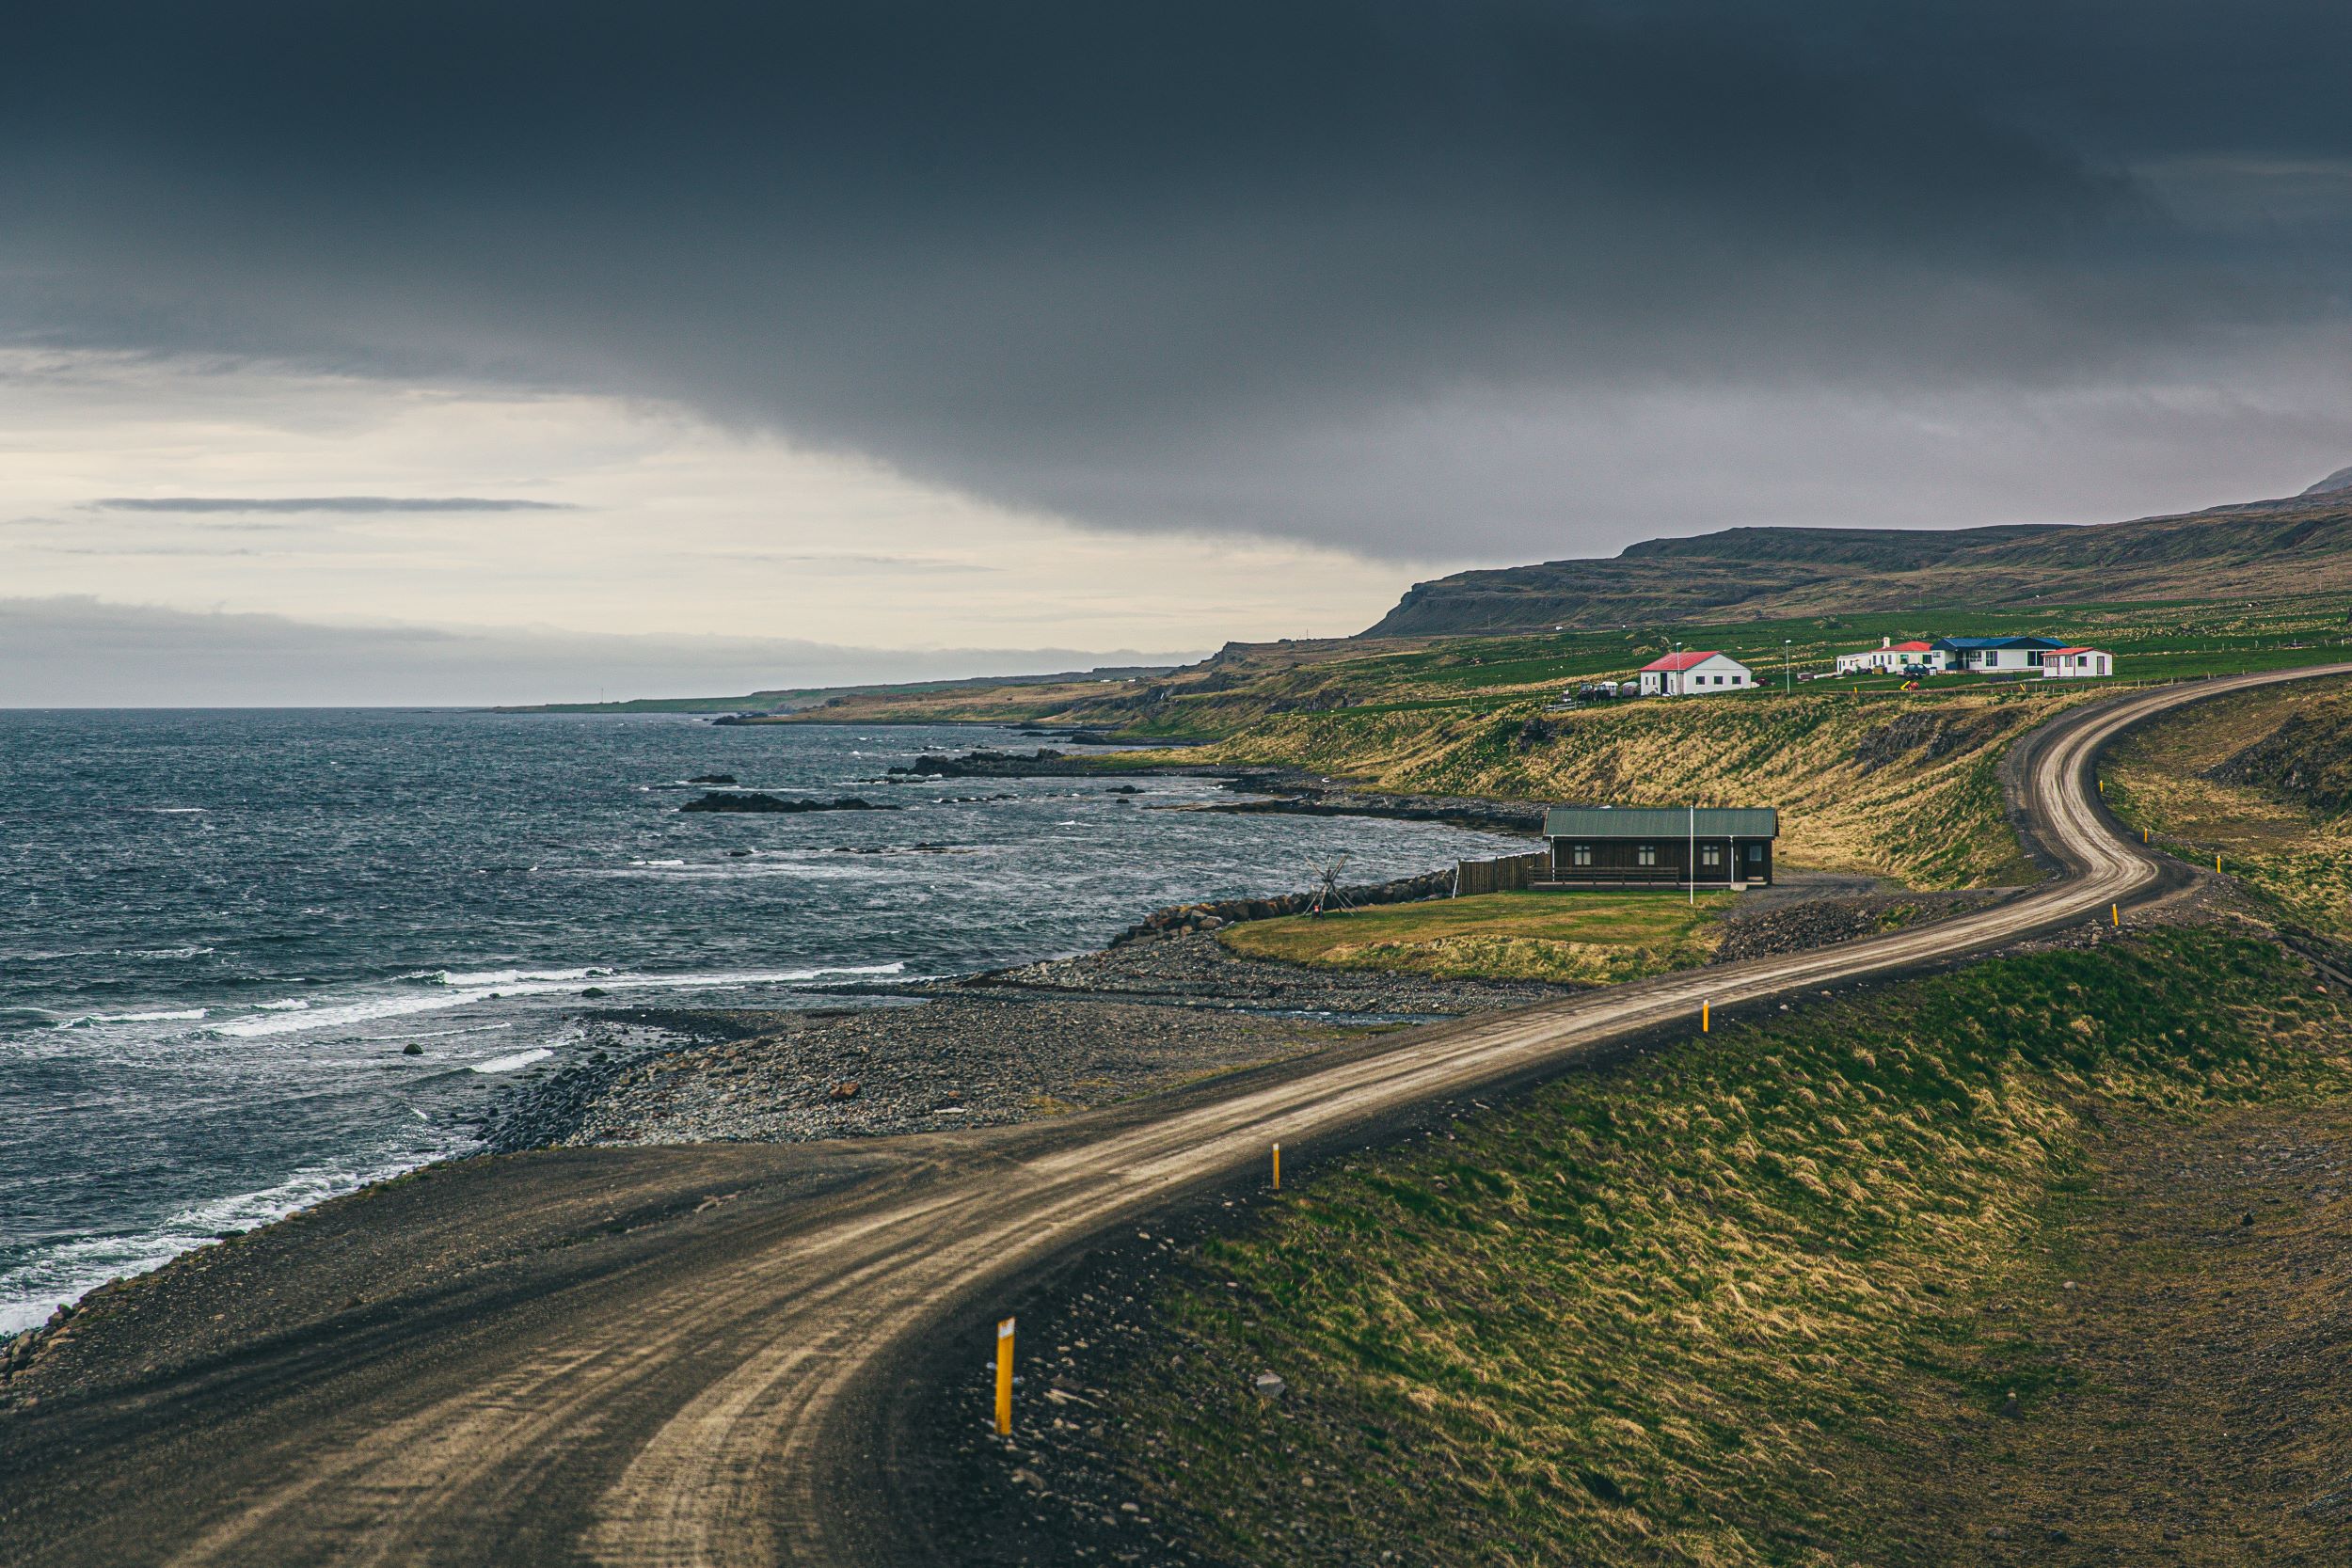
[(1764, 1298), (1869, 778), (1567, 938), (1901, 789), (1488, 674), (2285, 854)]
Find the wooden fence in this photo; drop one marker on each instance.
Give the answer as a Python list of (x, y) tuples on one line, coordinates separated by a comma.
[(1510, 873)]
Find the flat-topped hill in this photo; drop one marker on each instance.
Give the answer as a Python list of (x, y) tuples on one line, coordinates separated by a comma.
[(2302, 545)]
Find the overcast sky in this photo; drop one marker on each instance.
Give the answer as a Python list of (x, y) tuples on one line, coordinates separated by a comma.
[(1058, 326)]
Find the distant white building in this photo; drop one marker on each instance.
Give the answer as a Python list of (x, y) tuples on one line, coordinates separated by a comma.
[(2076, 664), (1890, 656), (1694, 675)]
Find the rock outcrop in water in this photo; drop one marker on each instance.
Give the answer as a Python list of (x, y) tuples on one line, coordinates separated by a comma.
[(753, 801), (984, 763)]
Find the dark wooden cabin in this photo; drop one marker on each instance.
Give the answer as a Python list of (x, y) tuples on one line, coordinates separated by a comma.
[(1617, 846)]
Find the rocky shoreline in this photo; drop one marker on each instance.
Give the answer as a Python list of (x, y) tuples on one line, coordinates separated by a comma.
[(1163, 1003), (1288, 790), (1007, 1045)]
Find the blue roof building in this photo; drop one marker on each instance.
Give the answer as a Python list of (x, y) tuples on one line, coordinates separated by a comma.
[(2019, 654)]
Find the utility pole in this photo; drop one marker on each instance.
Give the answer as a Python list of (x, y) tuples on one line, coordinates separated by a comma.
[(1691, 856), (1788, 680)]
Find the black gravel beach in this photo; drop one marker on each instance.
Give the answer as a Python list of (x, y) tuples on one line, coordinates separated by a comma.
[(1166, 1004), (1042, 1040)]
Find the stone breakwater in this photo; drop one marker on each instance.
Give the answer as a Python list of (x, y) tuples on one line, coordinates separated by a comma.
[(1215, 913), (1298, 794)]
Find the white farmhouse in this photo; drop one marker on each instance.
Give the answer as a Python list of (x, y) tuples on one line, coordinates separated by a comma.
[(1890, 656), (1694, 675)]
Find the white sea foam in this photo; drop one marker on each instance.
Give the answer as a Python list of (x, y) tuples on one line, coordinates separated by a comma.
[(176, 1015), (72, 1268), (506, 976), (292, 1004), (735, 869), (483, 988), (519, 1059), (656, 862), (348, 1012)]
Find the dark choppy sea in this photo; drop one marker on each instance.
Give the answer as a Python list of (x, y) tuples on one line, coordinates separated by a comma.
[(219, 929)]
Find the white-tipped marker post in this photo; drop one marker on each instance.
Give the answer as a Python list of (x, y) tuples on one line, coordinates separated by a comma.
[(1004, 1378)]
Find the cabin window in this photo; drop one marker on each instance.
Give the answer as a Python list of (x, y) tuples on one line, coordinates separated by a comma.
[(2032, 657), (1581, 854), (1646, 855), (1711, 854), (1755, 854)]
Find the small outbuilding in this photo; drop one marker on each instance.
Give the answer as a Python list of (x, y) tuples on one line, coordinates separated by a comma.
[(2076, 664), (1697, 673), (1660, 846)]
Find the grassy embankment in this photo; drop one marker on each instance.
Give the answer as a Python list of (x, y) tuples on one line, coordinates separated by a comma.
[(1579, 939), (1763, 1298), (2261, 781), (1908, 792), (1869, 778)]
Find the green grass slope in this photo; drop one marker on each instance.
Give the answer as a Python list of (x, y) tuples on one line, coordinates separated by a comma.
[(1742, 1301)]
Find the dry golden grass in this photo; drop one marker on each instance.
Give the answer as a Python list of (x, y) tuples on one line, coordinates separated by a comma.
[(1715, 1305), (1931, 816), (1581, 938), (2301, 867)]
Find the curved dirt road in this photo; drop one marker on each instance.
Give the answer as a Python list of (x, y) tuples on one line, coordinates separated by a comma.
[(693, 1356)]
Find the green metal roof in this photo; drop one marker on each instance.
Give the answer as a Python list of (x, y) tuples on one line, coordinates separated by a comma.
[(1661, 822)]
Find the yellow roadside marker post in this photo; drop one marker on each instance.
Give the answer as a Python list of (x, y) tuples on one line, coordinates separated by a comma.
[(1004, 1378), (1278, 1168), (2216, 861), (1704, 1008), (2114, 915)]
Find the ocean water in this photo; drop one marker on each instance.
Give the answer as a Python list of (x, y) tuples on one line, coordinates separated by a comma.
[(218, 931)]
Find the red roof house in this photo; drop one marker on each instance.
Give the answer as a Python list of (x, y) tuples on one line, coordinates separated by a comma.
[(1692, 674)]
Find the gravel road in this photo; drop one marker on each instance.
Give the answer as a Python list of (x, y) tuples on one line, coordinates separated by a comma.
[(711, 1355)]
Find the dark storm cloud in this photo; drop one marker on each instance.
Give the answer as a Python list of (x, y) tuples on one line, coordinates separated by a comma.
[(350, 504), (1216, 264)]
